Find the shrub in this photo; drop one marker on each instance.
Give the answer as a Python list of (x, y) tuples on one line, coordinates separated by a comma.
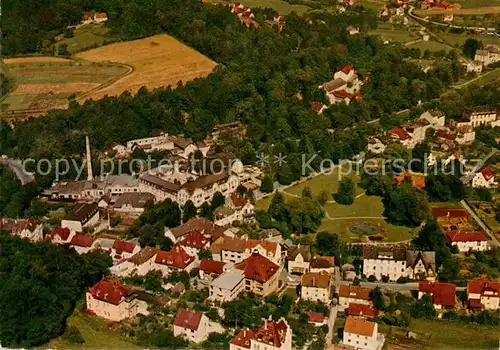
[(73, 336), (385, 278), (403, 279), (372, 278)]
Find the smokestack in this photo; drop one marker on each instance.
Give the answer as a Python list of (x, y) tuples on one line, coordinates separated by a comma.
[(90, 176)]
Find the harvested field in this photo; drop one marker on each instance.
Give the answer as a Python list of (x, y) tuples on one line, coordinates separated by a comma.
[(157, 61), (458, 12), (24, 60), (30, 89)]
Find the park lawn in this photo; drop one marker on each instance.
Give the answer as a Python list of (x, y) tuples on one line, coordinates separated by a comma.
[(96, 333), (458, 40), (430, 45), (367, 206), (282, 7), (487, 77), (263, 204), (453, 335), (324, 182), (87, 37)]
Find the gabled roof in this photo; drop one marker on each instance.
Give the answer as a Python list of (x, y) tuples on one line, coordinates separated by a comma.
[(481, 285), (487, 173), (302, 249), (334, 84), (188, 319), (243, 338), (345, 69), (442, 293), (63, 233), (322, 262), (110, 292), (317, 106), (123, 246), (356, 309), (399, 132), (384, 252), (18, 225), (82, 212), (315, 317), (232, 244), (258, 267), (176, 257), (82, 240), (270, 247), (316, 279), (203, 225), (466, 236), (355, 292), (237, 199), (428, 259), (359, 326), (143, 255), (272, 333), (195, 239), (134, 199), (211, 266)]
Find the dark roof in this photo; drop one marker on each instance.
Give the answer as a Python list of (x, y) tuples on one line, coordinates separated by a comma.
[(205, 180), (380, 252), (303, 249), (322, 262), (258, 267), (428, 259), (316, 279), (135, 199), (142, 256), (164, 185), (82, 212), (212, 266), (188, 319)]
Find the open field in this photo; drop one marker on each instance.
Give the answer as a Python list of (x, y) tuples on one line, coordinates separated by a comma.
[(41, 83), (96, 333), (446, 335), (282, 7), (430, 45), (458, 12), (477, 3), (157, 61), (87, 37), (387, 31)]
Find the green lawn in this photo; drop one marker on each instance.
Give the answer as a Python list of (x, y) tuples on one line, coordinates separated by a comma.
[(362, 206), (459, 39), (12, 102), (96, 333), (392, 33), (264, 203), (477, 3), (451, 335), (282, 7), (87, 37), (430, 45), (327, 182)]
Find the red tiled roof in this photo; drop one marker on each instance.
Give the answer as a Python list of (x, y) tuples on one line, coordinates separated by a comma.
[(480, 285), (258, 267), (176, 257), (475, 304), (63, 233), (272, 333), (237, 199), (446, 135), (442, 293), (355, 309), (211, 266), (268, 246), (487, 173), (188, 319), (345, 69), (342, 94), (450, 212), (466, 236), (317, 106), (315, 317), (85, 17), (359, 326), (111, 292), (82, 240), (195, 239), (350, 291), (143, 255), (400, 132), (243, 338), (123, 246)]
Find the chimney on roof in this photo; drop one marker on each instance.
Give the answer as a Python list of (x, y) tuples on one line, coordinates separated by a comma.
[(90, 176)]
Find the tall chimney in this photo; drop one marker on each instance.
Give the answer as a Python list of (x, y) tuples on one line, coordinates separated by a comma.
[(90, 176)]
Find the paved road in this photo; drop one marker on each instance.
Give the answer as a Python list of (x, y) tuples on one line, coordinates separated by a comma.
[(333, 310), (17, 168), (410, 13)]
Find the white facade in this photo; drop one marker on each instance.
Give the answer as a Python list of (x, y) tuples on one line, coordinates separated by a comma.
[(227, 286), (316, 294), (127, 268), (299, 265), (384, 267), (205, 327), (478, 246), (125, 309), (374, 341), (479, 180)]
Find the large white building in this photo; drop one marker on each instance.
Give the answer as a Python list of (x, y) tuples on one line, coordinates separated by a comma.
[(478, 116), (362, 334), (483, 294), (468, 240), (395, 262), (488, 55)]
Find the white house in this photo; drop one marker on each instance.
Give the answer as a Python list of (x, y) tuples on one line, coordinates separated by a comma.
[(202, 225), (474, 67), (483, 294), (362, 334), (123, 249), (299, 258), (316, 287), (82, 243), (345, 86), (227, 286), (194, 325), (114, 301), (477, 116), (375, 145), (210, 269), (81, 215), (137, 265), (487, 56), (133, 202), (272, 335), (353, 294), (195, 241), (468, 240), (443, 294), (30, 229), (435, 118), (483, 178), (60, 235)]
